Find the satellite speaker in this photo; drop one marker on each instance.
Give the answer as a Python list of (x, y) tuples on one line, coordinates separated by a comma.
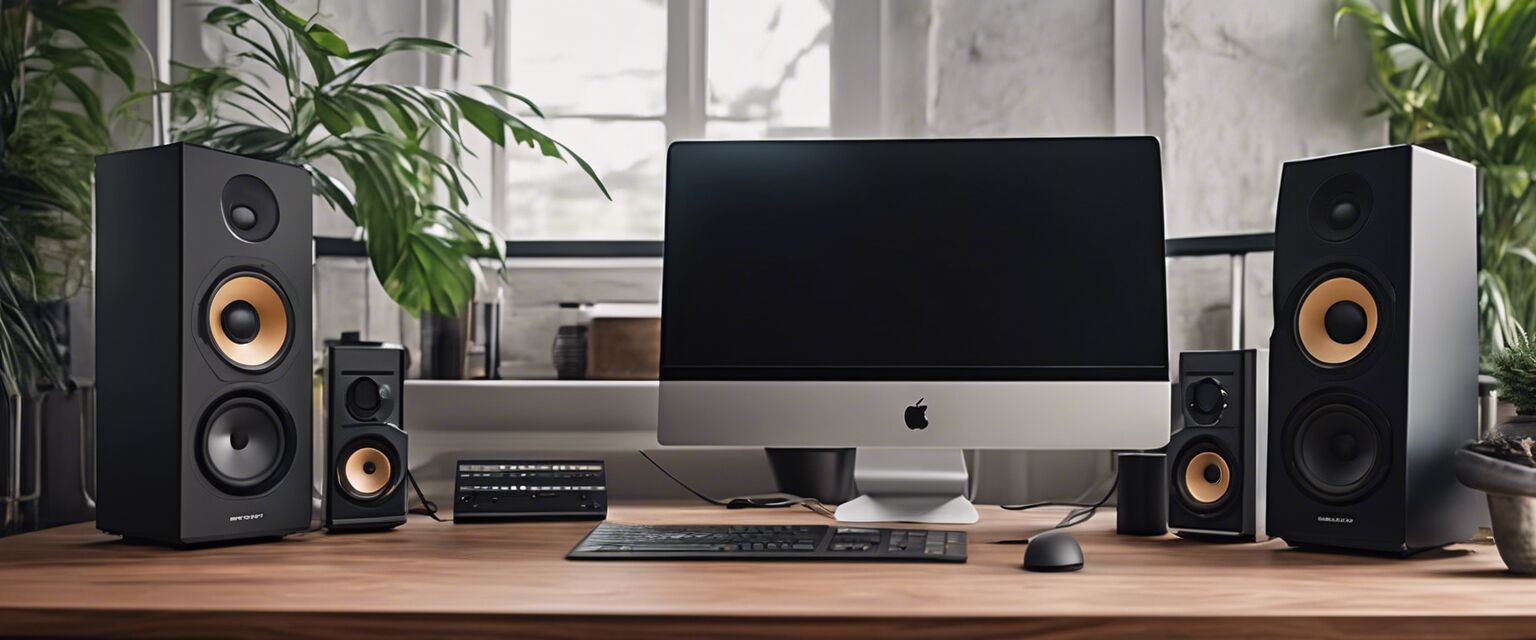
[(202, 346), (366, 446), (1218, 474), (1373, 360)]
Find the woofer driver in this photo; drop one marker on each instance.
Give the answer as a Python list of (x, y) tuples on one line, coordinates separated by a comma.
[(1337, 319), (248, 321), (1203, 475), (368, 469), (245, 444)]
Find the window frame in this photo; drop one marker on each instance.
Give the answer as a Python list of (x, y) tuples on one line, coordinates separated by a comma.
[(685, 112)]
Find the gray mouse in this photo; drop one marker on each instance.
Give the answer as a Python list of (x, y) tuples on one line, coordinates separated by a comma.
[(1053, 551)]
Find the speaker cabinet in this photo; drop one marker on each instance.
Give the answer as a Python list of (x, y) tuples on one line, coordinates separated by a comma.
[(1218, 459), (202, 346), (1374, 354), (366, 446)]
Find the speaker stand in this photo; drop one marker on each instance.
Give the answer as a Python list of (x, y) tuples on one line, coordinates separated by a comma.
[(910, 485)]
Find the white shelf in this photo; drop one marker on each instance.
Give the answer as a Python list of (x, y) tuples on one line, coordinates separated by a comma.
[(531, 405)]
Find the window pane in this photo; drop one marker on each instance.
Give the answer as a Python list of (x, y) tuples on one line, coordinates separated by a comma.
[(589, 57), (549, 199), (769, 62)]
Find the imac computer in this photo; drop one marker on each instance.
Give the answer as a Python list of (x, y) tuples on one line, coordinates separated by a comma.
[(913, 298)]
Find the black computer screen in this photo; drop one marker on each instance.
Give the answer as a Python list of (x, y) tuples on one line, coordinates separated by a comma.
[(966, 259)]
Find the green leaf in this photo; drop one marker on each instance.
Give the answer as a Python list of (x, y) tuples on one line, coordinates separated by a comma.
[(332, 116), (328, 40)]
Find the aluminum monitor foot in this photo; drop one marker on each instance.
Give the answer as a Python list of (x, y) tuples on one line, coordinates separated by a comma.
[(910, 485)]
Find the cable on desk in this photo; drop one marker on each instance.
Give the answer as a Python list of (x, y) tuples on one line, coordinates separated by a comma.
[(1080, 514), (428, 508), (775, 501)]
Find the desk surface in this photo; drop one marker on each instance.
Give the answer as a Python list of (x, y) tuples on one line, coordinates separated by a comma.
[(511, 580)]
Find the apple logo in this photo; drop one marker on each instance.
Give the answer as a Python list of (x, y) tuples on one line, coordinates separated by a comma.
[(917, 416)]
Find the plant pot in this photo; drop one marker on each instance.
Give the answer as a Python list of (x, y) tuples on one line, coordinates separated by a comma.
[(1511, 490), (1514, 530)]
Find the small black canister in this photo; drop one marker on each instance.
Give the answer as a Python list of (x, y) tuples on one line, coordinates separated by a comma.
[(1143, 494), (570, 349)]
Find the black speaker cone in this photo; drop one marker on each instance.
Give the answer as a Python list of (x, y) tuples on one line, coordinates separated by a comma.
[(245, 444), (1204, 401), (1341, 207), (250, 208), (368, 400), (1338, 448)]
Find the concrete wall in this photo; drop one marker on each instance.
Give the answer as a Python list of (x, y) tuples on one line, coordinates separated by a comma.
[(1249, 85)]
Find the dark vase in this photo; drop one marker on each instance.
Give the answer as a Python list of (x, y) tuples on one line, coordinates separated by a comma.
[(444, 346), (570, 352)]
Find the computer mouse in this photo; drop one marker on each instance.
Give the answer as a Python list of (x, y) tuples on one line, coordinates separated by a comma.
[(1053, 551)]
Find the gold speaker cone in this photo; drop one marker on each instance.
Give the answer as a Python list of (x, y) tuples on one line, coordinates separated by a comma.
[(357, 478), (1311, 329), (1194, 477), (271, 312)]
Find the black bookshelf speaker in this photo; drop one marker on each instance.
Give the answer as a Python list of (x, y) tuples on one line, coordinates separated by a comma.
[(366, 443), (1219, 456), (1373, 360), (202, 346)]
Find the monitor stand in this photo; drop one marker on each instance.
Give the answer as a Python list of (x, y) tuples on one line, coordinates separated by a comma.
[(909, 485)]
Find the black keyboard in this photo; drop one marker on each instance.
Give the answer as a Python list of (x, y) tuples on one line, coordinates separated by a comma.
[(615, 541)]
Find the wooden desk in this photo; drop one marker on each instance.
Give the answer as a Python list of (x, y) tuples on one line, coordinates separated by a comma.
[(510, 580)]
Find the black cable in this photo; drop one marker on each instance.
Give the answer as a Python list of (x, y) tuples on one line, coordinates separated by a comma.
[(680, 483), (743, 503), (428, 507), (1082, 513)]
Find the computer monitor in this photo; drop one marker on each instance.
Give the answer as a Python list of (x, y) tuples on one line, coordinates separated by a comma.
[(912, 298)]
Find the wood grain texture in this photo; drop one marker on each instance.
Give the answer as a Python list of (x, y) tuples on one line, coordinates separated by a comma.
[(511, 580)]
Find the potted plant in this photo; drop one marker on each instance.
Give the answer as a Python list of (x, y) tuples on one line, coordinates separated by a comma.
[(1503, 465), (1459, 76), (398, 146), (52, 126), (1515, 369)]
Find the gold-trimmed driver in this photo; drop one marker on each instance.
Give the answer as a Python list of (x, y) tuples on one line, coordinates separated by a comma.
[(366, 473), (1204, 490), (271, 313), (1311, 325)]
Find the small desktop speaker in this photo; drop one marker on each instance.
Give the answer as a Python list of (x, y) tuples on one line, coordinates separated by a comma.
[(1219, 456), (366, 446), (1373, 360), (202, 346)]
